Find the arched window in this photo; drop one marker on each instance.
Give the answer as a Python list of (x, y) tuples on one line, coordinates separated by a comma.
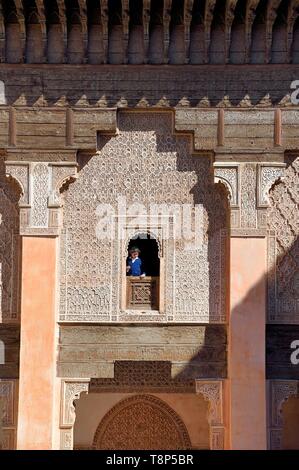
[(149, 253), (143, 272)]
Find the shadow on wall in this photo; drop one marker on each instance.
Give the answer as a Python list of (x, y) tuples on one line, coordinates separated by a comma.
[(9, 247), (210, 361), (9, 284), (290, 413)]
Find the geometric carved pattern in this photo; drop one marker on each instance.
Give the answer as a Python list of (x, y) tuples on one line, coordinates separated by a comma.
[(212, 391), (8, 398), (248, 196), (146, 163), (283, 249), (39, 212), (142, 293), (9, 250), (70, 391), (248, 185), (267, 176), (143, 376), (228, 175), (20, 172), (141, 422), (40, 185), (280, 392)]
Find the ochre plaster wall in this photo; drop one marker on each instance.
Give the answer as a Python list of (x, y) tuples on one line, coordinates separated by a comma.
[(37, 355), (247, 344)]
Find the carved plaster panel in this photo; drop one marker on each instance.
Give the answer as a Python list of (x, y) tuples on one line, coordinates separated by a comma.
[(40, 191), (144, 164), (40, 184), (283, 248), (8, 399), (9, 251), (212, 391), (248, 186), (21, 174), (153, 425), (228, 175), (279, 392), (70, 391), (248, 196), (267, 176)]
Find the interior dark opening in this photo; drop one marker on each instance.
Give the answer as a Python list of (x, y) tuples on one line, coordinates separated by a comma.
[(148, 253)]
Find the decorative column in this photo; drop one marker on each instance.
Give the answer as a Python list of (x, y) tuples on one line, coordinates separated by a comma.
[(39, 227), (279, 392), (71, 390), (212, 391)]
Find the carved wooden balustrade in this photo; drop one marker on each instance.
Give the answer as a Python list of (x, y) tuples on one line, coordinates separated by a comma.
[(143, 292)]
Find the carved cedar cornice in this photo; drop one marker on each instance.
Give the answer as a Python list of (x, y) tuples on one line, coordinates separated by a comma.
[(2, 36), (104, 23), (21, 20), (166, 23), (250, 16), (63, 22), (42, 21), (188, 8), (271, 15), (293, 13), (208, 10), (229, 18), (208, 18), (125, 11), (146, 21), (83, 16)]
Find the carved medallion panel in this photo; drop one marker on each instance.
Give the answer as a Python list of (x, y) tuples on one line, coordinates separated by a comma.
[(142, 422)]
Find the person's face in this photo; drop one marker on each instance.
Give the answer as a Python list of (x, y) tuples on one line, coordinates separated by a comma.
[(134, 254)]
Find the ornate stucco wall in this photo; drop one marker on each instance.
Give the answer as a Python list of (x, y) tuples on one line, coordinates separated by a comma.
[(181, 95), (145, 164)]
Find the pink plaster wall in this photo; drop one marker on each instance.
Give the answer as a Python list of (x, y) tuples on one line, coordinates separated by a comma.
[(247, 344), (37, 354)]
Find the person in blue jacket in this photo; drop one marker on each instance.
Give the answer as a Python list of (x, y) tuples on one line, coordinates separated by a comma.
[(134, 263)]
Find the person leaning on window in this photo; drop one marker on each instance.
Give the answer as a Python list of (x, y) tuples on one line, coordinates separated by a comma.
[(134, 263)]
